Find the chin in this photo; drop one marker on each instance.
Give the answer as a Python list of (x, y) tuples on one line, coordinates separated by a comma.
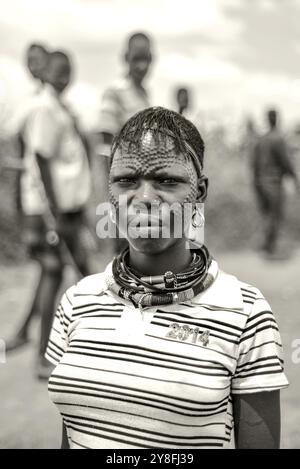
[(35, 74), (151, 245)]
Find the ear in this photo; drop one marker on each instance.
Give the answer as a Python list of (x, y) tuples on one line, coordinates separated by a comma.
[(202, 189), (126, 57)]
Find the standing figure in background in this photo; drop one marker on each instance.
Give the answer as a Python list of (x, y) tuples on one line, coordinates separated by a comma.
[(249, 141), (183, 100), (126, 96), (271, 164), (123, 99), (55, 190), (36, 61)]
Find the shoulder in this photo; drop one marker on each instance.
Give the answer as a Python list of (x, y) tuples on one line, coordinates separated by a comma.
[(228, 293), (224, 292), (253, 298), (249, 291), (45, 101), (274, 138), (91, 285), (259, 316), (245, 294), (121, 84), (88, 287), (116, 88)]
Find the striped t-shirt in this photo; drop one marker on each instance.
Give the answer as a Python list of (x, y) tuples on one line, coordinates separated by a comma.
[(164, 377)]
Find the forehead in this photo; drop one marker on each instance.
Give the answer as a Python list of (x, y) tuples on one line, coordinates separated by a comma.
[(148, 146), (36, 52), (150, 155), (139, 47)]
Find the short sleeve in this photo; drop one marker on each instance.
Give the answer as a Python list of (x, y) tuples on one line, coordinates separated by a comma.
[(110, 113), (44, 132), (58, 340), (260, 355)]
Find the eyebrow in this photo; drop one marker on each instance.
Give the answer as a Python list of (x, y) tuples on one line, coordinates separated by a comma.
[(160, 173)]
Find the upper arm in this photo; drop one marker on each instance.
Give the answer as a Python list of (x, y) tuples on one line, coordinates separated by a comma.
[(257, 420), (64, 440), (258, 377)]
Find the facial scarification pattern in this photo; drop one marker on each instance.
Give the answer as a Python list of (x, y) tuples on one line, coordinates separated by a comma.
[(151, 154)]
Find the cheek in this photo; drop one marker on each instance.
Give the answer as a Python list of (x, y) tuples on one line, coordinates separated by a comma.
[(111, 194), (192, 194), (118, 199)]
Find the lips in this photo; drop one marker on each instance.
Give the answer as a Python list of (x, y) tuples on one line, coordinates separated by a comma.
[(142, 221)]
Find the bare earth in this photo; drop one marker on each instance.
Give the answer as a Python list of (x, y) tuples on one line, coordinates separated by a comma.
[(29, 420)]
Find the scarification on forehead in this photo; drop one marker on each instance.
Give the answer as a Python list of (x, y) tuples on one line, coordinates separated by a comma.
[(146, 156), (153, 154)]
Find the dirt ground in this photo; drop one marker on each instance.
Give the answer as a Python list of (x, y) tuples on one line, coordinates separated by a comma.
[(29, 420)]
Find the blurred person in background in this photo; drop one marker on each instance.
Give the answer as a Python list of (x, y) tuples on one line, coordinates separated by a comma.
[(36, 60), (182, 100), (55, 190), (124, 98), (271, 165), (127, 95)]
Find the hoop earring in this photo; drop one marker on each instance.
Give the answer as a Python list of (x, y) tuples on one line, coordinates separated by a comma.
[(112, 215), (197, 222)]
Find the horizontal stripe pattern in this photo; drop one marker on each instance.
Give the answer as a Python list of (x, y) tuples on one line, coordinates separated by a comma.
[(121, 381)]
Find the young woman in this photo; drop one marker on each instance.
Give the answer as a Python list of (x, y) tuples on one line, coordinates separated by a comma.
[(163, 349)]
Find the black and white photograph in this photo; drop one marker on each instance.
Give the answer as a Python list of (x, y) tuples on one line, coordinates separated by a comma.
[(150, 227)]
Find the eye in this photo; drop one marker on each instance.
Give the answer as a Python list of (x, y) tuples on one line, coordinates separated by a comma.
[(125, 181), (169, 181)]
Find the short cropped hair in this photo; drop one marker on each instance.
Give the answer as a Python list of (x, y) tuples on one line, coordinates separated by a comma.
[(161, 122), (36, 45)]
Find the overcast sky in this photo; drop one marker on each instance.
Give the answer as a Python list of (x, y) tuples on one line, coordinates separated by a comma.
[(238, 56)]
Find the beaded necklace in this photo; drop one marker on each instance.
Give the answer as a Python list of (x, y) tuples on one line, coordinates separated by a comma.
[(167, 289)]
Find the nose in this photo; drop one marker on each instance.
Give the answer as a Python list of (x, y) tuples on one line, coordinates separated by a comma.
[(146, 194)]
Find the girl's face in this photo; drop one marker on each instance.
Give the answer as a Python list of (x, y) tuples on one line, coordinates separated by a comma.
[(153, 189)]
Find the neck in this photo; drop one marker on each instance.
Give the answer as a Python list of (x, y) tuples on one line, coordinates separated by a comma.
[(176, 259), (137, 83), (56, 91)]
